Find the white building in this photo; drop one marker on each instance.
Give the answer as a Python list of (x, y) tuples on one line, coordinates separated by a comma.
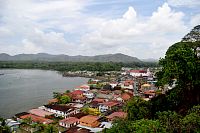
[(63, 111), (113, 84), (138, 73), (103, 107)]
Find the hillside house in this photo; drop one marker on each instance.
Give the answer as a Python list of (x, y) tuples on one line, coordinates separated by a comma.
[(69, 122), (62, 110), (105, 106), (90, 121)]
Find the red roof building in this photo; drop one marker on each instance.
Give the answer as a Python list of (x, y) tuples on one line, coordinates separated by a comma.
[(83, 87), (110, 103), (52, 101), (125, 96), (99, 100), (115, 115), (77, 92), (103, 107), (38, 119), (89, 121), (69, 122), (40, 112)]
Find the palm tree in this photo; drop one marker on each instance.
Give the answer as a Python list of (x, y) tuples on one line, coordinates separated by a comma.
[(3, 126)]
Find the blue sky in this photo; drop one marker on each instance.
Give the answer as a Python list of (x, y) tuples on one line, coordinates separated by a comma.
[(140, 28)]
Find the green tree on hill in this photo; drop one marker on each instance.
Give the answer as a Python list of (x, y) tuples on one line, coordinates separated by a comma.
[(137, 108), (182, 62), (65, 99)]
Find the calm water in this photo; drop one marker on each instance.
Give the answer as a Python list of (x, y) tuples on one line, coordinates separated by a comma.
[(21, 90)]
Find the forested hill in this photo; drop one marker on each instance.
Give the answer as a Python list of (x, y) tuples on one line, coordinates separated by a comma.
[(65, 58), (193, 36)]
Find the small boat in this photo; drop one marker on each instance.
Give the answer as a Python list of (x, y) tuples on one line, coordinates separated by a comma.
[(1, 74)]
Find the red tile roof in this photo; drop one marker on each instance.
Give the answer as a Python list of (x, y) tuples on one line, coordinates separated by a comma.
[(78, 97), (117, 114), (149, 92), (70, 120), (55, 100), (40, 112), (35, 118), (89, 119), (84, 87), (77, 92), (125, 96), (110, 103), (99, 100), (63, 108)]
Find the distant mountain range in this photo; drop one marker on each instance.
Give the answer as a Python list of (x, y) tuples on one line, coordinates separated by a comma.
[(66, 58)]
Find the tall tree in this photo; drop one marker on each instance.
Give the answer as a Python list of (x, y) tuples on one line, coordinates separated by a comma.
[(182, 62), (137, 108)]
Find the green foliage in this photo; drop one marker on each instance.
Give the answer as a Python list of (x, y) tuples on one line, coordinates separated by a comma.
[(170, 121), (57, 95), (3, 126), (73, 66), (64, 99), (191, 122), (195, 109), (67, 91), (27, 120), (50, 129), (147, 126), (138, 126), (85, 110), (182, 62), (138, 108), (4, 129)]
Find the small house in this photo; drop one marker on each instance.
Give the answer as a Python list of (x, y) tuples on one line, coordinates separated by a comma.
[(115, 115), (69, 122), (62, 110), (103, 107), (89, 121), (37, 119), (41, 113)]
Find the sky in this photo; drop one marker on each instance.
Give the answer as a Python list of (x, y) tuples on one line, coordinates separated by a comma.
[(139, 28)]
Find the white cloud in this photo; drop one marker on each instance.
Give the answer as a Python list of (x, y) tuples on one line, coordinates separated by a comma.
[(195, 20), (143, 38), (186, 3), (4, 32), (29, 47), (37, 25)]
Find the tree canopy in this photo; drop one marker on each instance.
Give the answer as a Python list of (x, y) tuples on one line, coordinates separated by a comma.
[(182, 63)]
